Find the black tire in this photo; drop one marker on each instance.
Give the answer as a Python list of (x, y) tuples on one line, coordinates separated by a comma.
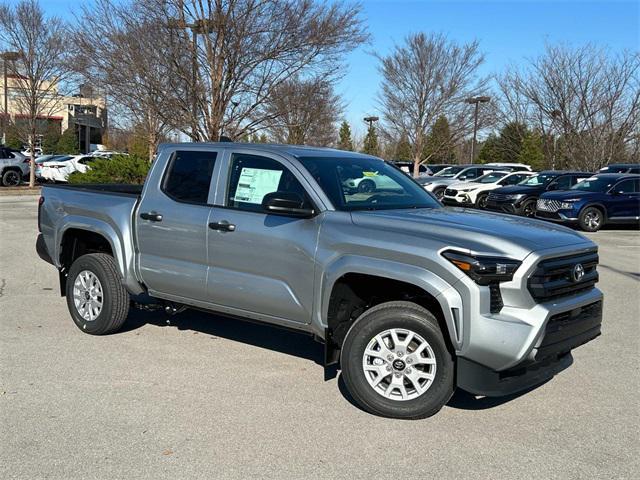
[(115, 299), (481, 200), (381, 318), (591, 219), (366, 186), (529, 208), (11, 178), (439, 192)]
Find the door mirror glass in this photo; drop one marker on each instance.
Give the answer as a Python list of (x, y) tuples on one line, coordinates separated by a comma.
[(286, 203)]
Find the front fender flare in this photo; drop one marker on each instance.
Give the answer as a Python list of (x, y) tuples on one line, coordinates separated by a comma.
[(448, 297)]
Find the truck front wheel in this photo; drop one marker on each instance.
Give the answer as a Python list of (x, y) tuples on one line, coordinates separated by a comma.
[(395, 362), (97, 301)]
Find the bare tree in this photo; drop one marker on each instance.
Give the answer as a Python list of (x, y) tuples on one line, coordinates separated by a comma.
[(428, 77), (304, 112), (243, 50), (118, 50), (42, 48), (586, 99)]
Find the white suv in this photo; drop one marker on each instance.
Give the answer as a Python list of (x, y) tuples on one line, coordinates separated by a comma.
[(466, 194)]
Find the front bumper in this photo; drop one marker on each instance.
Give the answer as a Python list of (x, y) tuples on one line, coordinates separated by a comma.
[(505, 206), (559, 216), (459, 201)]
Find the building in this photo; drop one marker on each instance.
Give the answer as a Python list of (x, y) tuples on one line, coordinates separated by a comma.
[(85, 113)]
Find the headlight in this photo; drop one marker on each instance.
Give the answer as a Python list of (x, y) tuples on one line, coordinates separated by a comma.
[(516, 196), (465, 189), (568, 204), (483, 270)]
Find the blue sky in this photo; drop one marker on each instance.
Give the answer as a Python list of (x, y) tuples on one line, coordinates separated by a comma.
[(509, 31)]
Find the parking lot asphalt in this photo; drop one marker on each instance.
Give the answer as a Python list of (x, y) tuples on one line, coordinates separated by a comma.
[(200, 396)]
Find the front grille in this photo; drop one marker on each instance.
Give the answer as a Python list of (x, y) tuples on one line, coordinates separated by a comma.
[(496, 298), (451, 192), (547, 205), (555, 277)]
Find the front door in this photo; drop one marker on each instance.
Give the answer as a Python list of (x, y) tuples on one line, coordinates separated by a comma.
[(172, 226), (263, 263), (624, 200)]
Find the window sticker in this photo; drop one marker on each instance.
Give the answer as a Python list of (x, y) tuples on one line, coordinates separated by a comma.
[(255, 183)]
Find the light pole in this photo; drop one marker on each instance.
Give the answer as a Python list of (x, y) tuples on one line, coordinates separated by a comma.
[(370, 120), (475, 101), (6, 57)]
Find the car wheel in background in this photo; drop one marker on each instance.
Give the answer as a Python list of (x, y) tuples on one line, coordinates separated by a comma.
[(366, 186), (97, 301), (395, 362), (529, 209), (591, 219), (481, 201), (11, 178), (439, 192)]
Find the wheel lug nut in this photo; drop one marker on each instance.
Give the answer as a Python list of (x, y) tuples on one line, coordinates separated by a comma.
[(400, 354), (409, 360), (388, 368), (408, 370), (390, 357), (398, 374)]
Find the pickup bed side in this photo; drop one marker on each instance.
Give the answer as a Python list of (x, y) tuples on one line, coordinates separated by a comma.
[(91, 218)]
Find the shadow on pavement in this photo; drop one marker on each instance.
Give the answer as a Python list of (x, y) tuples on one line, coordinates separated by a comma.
[(263, 336)]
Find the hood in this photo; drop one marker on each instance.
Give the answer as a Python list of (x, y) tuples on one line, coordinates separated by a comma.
[(517, 189), (463, 185), (479, 231), (567, 194), (441, 181)]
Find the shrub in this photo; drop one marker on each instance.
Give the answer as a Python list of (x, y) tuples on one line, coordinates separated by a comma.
[(128, 169), (68, 142)]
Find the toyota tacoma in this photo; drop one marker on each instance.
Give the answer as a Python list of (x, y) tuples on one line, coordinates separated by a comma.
[(411, 299)]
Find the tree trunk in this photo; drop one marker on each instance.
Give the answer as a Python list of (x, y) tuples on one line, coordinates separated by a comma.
[(32, 160)]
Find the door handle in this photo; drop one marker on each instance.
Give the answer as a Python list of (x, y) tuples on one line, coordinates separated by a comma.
[(222, 226), (152, 216)]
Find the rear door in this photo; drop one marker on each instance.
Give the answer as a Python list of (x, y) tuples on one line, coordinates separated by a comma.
[(172, 225)]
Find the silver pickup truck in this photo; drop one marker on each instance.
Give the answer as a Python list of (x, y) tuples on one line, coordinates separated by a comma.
[(410, 298)]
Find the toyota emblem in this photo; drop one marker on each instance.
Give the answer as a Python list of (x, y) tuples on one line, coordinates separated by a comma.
[(578, 272)]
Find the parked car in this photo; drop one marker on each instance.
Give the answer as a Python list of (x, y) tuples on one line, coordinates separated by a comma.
[(27, 152), (459, 173), (407, 167), (521, 199), (437, 167), (594, 202), (516, 167), (410, 298), (361, 181), (58, 170), (475, 193), (621, 168), (13, 167)]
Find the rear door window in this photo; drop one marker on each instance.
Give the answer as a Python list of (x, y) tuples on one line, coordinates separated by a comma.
[(188, 176)]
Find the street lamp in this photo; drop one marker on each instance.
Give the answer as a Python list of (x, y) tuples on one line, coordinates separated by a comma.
[(475, 101), (6, 57), (371, 120), (199, 26)]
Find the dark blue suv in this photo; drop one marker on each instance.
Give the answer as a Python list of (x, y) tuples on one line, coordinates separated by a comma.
[(603, 198)]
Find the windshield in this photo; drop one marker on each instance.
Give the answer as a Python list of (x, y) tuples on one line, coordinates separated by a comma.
[(594, 184), (449, 171), (366, 184), (539, 179), (491, 177)]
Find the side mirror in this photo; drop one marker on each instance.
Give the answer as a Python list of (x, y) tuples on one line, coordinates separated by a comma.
[(290, 204)]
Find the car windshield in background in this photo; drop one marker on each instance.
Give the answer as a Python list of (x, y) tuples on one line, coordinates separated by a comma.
[(491, 177), (366, 184), (594, 184), (449, 171), (536, 180)]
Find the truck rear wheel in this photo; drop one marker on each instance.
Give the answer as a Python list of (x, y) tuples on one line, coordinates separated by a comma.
[(97, 301), (395, 362)]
